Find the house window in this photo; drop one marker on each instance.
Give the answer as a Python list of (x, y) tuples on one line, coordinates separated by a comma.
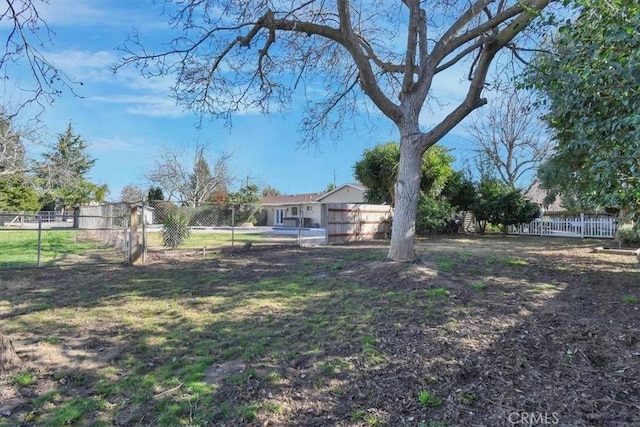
[(309, 208), (294, 211)]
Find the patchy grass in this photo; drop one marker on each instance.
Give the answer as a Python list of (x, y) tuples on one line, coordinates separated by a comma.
[(506, 261), (23, 379), (437, 293), (328, 336), (429, 399), (478, 286), (447, 265)]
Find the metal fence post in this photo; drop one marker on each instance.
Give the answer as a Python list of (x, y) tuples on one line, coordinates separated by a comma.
[(233, 225), (300, 221), (144, 234), (39, 238)]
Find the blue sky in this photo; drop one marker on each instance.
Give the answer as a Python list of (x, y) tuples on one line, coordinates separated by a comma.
[(126, 119)]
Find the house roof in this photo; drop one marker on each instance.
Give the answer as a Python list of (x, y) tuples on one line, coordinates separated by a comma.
[(359, 187), (288, 199), (537, 195), (291, 198)]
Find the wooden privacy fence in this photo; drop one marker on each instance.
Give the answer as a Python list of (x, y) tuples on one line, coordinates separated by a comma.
[(348, 222), (582, 226)]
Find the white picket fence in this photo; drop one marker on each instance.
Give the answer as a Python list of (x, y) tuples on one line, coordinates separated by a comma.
[(599, 227)]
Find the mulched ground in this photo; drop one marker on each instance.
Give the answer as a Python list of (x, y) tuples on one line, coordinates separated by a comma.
[(523, 332), (553, 339)]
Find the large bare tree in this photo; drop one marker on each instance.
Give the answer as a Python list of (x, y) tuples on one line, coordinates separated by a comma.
[(12, 149), (232, 55), (192, 180), (509, 138), (132, 193)]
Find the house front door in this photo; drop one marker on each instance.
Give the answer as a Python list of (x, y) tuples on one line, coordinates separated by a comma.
[(279, 216)]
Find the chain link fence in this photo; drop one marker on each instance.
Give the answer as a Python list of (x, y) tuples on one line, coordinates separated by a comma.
[(41, 239), (176, 229), (145, 231)]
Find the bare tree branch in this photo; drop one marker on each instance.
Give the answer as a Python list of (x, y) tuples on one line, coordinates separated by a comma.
[(14, 141), (27, 33), (509, 137), (191, 178)]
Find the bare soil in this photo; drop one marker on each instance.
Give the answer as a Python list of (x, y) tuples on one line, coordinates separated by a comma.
[(499, 330)]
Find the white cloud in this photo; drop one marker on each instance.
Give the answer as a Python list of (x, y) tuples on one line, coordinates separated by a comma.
[(139, 95), (116, 144), (146, 105), (73, 13), (94, 67), (79, 63)]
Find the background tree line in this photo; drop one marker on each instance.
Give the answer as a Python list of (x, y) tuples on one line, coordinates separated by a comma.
[(444, 192)]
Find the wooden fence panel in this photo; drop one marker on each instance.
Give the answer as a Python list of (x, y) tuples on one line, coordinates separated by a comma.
[(347, 222)]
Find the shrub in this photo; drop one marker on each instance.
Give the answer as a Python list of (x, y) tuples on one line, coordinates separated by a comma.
[(629, 233), (246, 213), (501, 205), (175, 229), (206, 215), (433, 215)]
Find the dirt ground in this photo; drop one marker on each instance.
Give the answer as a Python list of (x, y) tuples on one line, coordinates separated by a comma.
[(487, 331)]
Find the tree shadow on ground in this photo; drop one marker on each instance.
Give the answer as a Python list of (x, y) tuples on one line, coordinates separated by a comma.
[(333, 336)]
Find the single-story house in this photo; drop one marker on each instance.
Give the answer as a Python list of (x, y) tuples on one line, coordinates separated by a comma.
[(288, 210)]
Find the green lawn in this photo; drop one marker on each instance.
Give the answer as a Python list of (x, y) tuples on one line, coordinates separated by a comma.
[(19, 248), (198, 240)]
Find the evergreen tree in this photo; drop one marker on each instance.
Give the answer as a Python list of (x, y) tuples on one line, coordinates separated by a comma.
[(62, 173), (155, 194), (17, 195)]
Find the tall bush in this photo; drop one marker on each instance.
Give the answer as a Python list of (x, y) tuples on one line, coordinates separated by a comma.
[(175, 229), (502, 205)]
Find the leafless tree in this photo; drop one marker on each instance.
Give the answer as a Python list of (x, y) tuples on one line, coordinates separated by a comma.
[(232, 55), (11, 148), (269, 191), (192, 180), (14, 141), (509, 138), (132, 193), (23, 34)]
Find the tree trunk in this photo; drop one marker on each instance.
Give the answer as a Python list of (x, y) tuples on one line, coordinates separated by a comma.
[(406, 202), (8, 357)]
